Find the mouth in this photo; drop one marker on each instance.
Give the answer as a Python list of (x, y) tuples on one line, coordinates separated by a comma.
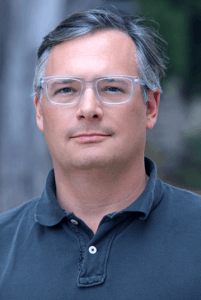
[(90, 137)]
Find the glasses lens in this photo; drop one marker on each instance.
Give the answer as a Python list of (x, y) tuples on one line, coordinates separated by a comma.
[(114, 90), (64, 91)]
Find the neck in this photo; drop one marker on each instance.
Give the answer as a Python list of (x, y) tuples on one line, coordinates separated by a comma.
[(92, 194)]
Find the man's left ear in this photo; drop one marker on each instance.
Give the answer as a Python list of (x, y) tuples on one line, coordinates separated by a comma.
[(152, 108)]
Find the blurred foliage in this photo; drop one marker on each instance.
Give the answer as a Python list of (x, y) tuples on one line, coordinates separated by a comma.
[(180, 24), (188, 174)]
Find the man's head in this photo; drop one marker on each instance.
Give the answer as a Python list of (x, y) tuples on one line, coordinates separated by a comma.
[(150, 63), (90, 133)]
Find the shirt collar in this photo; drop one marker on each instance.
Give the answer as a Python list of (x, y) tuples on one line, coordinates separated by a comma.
[(49, 213), (152, 194)]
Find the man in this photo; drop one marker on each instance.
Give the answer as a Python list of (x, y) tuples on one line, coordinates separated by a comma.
[(105, 227)]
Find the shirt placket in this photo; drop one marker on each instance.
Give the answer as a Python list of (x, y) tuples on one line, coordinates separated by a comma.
[(94, 251)]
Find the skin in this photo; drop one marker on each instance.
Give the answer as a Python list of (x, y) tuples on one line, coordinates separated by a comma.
[(104, 174)]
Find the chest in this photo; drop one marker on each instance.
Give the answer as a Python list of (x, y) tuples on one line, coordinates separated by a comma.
[(121, 263)]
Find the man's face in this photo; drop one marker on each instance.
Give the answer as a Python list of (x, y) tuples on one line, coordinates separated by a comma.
[(122, 127)]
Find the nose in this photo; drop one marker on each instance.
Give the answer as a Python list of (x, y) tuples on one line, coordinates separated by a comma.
[(89, 107)]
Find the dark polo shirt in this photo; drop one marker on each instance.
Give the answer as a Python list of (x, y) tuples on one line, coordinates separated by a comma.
[(151, 250)]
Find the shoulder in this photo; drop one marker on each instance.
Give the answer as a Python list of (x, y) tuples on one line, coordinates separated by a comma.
[(16, 227), (22, 215), (181, 196), (181, 204), (20, 210), (177, 218)]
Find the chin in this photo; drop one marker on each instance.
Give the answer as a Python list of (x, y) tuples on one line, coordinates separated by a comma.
[(89, 164), (91, 160)]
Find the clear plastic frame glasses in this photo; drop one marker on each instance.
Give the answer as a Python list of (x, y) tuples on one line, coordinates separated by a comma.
[(109, 90)]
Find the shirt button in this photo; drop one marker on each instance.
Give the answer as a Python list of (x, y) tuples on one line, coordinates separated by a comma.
[(92, 249), (75, 222)]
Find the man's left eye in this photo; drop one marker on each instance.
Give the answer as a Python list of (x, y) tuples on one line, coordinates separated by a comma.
[(113, 89)]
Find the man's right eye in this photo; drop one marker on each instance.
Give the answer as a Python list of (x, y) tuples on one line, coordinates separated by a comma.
[(66, 90)]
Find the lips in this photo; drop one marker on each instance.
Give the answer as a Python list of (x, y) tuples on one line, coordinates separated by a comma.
[(90, 134), (91, 137)]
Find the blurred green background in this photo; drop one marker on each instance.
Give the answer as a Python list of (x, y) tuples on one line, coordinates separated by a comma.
[(178, 153)]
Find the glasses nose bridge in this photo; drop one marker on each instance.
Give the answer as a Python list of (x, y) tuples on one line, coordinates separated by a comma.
[(89, 84)]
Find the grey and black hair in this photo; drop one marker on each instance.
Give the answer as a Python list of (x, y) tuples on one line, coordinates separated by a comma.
[(151, 58)]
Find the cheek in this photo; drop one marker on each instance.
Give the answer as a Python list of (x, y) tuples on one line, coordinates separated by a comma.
[(132, 119), (54, 123)]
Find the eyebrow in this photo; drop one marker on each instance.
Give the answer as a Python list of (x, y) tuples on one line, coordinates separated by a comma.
[(63, 81), (114, 80)]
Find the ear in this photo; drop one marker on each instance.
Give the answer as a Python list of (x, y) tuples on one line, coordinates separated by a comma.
[(39, 112), (152, 108)]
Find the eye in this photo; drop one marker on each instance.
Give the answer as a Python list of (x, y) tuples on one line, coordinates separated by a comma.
[(65, 90), (113, 89)]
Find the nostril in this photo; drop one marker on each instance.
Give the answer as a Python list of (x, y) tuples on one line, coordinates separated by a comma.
[(95, 116)]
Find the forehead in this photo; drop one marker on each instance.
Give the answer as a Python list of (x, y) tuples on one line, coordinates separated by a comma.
[(104, 52)]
